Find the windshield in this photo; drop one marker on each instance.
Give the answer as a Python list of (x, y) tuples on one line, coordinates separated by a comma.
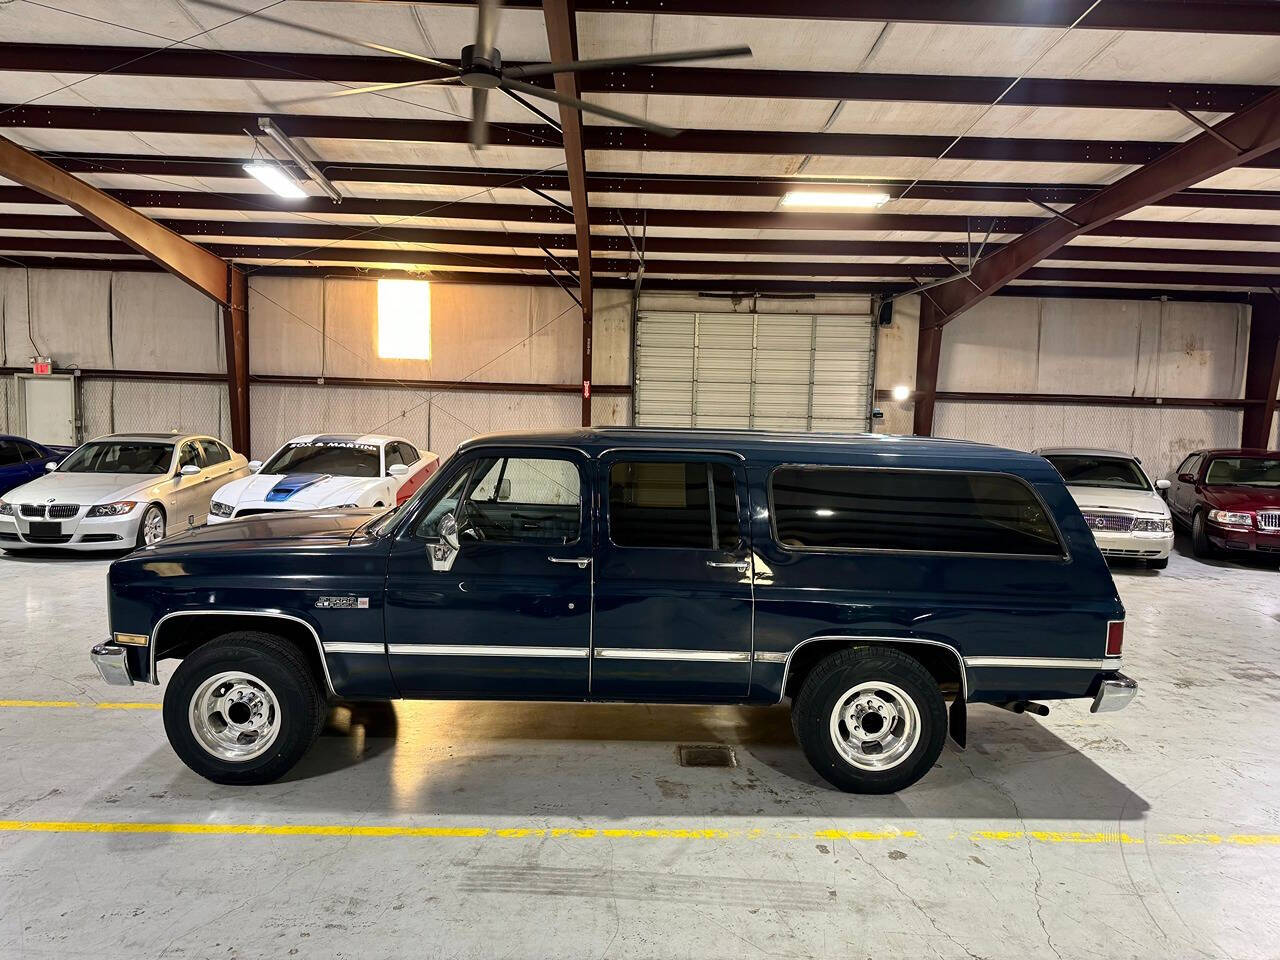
[(344, 458), (119, 456), (1117, 473), (1244, 472)]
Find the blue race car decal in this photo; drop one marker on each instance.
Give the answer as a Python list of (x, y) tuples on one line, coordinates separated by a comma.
[(287, 486)]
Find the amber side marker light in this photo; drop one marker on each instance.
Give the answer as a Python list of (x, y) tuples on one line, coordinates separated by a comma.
[(1115, 637), (131, 639)]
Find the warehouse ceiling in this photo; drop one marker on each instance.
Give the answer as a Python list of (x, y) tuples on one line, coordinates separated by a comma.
[(972, 117)]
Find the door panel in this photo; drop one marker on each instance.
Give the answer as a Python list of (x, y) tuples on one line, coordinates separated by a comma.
[(512, 616), (673, 591)]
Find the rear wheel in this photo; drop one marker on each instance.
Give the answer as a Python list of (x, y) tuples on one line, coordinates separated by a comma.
[(1201, 545), (243, 709), (870, 720)]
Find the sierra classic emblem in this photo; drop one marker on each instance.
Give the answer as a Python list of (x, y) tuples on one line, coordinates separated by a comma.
[(342, 603)]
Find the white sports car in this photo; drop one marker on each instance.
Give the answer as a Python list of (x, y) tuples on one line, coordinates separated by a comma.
[(327, 470), (1119, 502), (119, 492)]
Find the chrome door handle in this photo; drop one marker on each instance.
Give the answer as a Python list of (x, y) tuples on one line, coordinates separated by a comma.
[(580, 561), (739, 565)]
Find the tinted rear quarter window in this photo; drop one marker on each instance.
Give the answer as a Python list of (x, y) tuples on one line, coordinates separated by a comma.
[(835, 508)]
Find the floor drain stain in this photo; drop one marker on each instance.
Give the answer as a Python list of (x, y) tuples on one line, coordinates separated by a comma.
[(706, 755)]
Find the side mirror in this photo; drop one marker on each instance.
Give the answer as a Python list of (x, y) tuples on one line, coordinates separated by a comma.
[(504, 489), (190, 470), (1186, 478), (1163, 484), (443, 554), (255, 465), (51, 465), (397, 470)]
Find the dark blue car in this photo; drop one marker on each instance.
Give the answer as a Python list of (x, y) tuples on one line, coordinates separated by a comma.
[(867, 579), (22, 460)]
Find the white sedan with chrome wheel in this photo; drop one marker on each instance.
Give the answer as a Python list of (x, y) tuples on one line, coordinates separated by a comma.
[(1119, 502)]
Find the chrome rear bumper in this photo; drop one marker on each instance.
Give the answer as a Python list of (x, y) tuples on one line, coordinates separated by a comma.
[(112, 665), (1114, 694)]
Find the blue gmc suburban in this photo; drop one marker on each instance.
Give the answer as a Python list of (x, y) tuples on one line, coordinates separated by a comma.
[(867, 579)]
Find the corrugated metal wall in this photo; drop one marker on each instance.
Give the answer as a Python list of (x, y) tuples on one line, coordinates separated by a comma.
[(792, 369)]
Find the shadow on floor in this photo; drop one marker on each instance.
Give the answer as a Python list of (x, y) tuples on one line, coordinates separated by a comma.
[(597, 762)]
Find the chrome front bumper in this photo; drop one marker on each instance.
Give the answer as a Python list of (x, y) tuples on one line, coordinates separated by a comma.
[(1114, 694), (114, 668)]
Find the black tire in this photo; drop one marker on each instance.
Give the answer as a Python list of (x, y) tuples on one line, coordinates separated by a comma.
[(1160, 564), (300, 707), (153, 508), (828, 684), (1201, 545)]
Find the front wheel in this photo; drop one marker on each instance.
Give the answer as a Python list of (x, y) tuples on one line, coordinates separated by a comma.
[(1201, 545), (243, 709), (151, 528), (870, 720)]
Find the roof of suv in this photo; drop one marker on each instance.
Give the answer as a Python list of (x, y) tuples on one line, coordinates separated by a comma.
[(596, 439)]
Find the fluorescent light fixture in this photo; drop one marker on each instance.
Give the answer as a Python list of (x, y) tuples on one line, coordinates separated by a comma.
[(275, 178), (404, 319), (901, 392), (291, 150), (834, 198)]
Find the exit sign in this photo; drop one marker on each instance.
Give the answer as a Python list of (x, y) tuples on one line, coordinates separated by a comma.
[(41, 366)]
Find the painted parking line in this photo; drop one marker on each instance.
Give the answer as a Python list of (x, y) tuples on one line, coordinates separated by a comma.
[(76, 704), (347, 831)]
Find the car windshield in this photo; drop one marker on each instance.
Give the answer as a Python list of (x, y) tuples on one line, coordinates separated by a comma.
[(1244, 472), (1118, 473), (344, 458), (119, 456)]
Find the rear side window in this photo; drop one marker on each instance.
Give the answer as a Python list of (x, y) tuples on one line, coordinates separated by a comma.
[(673, 504), (214, 452), (830, 508)]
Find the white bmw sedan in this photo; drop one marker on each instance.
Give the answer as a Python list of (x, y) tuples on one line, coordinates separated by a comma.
[(119, 492), (327, 470), (1120, 504)]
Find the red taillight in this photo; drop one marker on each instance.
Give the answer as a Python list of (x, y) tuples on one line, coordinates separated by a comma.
[(1115, 637)]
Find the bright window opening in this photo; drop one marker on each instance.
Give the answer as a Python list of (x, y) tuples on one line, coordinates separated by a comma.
[(404, 319)]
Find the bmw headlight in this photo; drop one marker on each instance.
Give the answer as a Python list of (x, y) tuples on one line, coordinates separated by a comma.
[(6, 509), (1231, 518), (220, 509), (1153, 525), (117, 509)]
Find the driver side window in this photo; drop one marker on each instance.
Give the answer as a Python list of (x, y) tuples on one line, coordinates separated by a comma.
[(190, 456)]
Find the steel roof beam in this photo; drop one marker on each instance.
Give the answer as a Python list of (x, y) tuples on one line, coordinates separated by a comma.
[(1256, 129), (597, 137), (673, 81)]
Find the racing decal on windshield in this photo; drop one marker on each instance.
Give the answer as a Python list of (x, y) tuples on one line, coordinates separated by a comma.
[(292, 483), (336, 442)]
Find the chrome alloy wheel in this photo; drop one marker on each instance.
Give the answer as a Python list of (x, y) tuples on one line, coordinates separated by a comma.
[(875, 725), (152, 527), (234, 716)]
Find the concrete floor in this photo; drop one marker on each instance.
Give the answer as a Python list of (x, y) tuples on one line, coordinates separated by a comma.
[(498, 830)]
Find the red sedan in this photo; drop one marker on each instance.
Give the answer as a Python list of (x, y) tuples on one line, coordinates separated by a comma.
[(1229, 500)]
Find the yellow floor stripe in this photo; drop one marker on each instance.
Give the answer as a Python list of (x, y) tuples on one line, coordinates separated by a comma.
[(77, 704), (618, 833)]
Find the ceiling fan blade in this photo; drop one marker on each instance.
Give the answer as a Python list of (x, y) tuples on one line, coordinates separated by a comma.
[(317, 31), (479, 127), (376, 88), (528, 89), (608, 63), (487, 27)]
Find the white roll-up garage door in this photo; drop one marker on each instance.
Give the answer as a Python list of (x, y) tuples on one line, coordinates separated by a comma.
[(763, 370)]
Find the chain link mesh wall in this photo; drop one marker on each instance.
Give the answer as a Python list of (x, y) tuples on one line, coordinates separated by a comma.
[(1159, 436), (119, 406), (436, 420)]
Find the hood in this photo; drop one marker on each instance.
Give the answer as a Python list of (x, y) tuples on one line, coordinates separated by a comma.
[(294, 491), (1241, 498), (1104, 498), (274, 529), (84, 487)]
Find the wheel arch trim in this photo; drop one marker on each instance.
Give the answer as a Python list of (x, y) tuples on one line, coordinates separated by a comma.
[(267, 613), (853, 640)]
